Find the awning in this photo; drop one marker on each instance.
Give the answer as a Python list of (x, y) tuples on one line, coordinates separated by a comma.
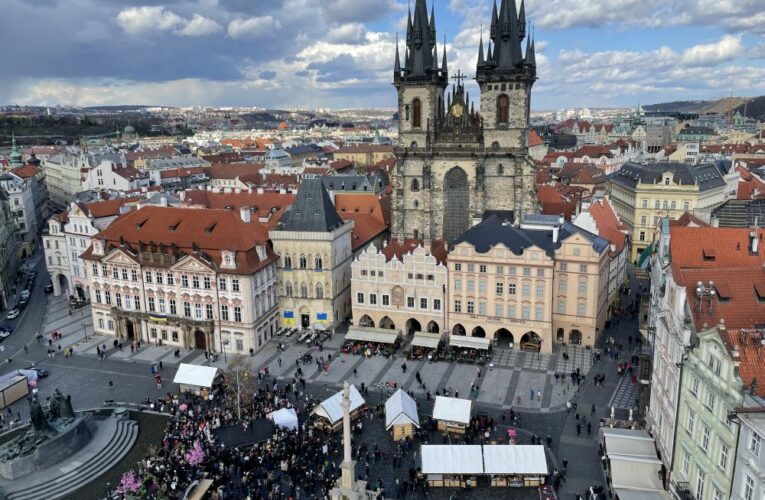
[(627, 494), (401, 409), (514, 459), (286, 417), (451, 459), (633, 462), (368, 334), (637, 443), (198, 376), (332, 408), (424, 339), (470, 342), (452, 410)]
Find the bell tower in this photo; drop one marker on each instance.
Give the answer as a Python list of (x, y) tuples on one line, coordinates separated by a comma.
[(419, 81), (505, 76)]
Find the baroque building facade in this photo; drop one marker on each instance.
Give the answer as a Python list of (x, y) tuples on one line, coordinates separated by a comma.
[(453, 162)]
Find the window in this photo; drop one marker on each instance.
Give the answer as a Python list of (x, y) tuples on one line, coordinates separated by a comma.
[(101, 323), (386, 300), (723, 456), (499, 310), (525, 312), (208, 311), (564, 266), (500, 169), (686, 205), (436, 304), (686, 462), (118, 299), (561, 308), (95, 269), (705, 438), (170, 279), (423, 303), (499, 289), (150, 303), (511, 289), (582, 268), (187, 309), (710, 401), (302, 262), (470, 307), (98, 296), (748, 487), (137, 303), (206, 283), (673, 205), (124, 274), (562, 286), (526, 290), (235, 285), (714, 364), (134, 275), (470, 286), (503, 109), (527, 271), (317, 262), (691, 419), (197, 311), (482, 308), (656, 204), (754, 444), (415, 185), (581, 309), (222, 284), (582, 288), (482, 286), (224, 312), (700, 484), (195, 281), (482, 268), (457, 305), (645, 204), (458, 284), (511, 311), (115, 273), (458, 267), (539, 313), (237, 314), (695, 387), (320, 291), (288, 289), (511, 271), (540, 273), (643, 220), (108, 297), (500, 270), (287, 262), (184, 281), (153, 332), (303, 291), (416, 113), (540, 290), (410, 302), (173, 308), (360, 298), (147, 277), (160, 278), (665, 205)]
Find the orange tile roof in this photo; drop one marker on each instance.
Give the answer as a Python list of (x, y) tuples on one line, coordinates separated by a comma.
[(233, 170), (730, 245), (366, 227), (209, 231), (107, 208), (608, 223), (534, 139), (688, 219), (438, 249), (26, 171), (261, 204), (366, 148), (555, 203)]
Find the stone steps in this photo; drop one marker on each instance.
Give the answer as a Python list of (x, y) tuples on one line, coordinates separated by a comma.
[(120, 443)]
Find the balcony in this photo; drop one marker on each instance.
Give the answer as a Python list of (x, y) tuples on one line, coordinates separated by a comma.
[(682, 490)]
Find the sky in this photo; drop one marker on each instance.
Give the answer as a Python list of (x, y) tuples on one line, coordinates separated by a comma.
[(339, 53)]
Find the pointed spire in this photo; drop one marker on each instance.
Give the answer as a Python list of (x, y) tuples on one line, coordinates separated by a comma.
[(532, 59), (481, 60), (435, 57), (397, 64), (444, 68), (489, 57), (433, 22), (528, 48), (522, 21), (494, 21), (409, 27)]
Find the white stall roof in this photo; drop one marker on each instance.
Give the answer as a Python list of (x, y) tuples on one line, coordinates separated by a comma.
[(367, 334), (424, 339), (451, 459), (286, 417), (514, 459), (628, 442), (452, 409), (199, 376), (627, 494), (469, 342), (332, 408), (401, 409)]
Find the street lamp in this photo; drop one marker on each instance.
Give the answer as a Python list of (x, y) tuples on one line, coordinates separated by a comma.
[(224, 344)]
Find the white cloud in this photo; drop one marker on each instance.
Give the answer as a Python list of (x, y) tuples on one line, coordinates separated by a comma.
[(348, 33), (709, 54), (200, 26), (142, 20), (252, 26)]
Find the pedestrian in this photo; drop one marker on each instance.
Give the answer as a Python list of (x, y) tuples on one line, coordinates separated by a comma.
[(354, 372), (539, 394), (578, 428), (26, 349), (589, 428), (160, 365), (592, 412), (280, 362), (111, 385), (531, 394)]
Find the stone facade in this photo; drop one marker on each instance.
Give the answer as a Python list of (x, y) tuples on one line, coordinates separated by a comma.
[(57, 255)]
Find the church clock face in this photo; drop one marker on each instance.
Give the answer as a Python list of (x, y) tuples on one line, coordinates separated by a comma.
[(457, 110)]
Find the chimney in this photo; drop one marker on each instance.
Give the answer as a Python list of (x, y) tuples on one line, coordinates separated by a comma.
[(260, 190), (245, 214), (555, 231), (163, 201), (715, 221), (561, 219)]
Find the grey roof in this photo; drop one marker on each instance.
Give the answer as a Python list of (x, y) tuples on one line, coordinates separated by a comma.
[(493, 231), (303, 149), (706, 176), (740, 213), (373, 182), (312, 210)]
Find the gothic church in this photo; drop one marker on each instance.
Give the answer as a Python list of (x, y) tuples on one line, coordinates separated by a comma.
[(455, 162)]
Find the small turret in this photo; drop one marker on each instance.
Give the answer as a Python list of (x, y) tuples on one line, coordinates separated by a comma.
[(481, 60), (522, 21)]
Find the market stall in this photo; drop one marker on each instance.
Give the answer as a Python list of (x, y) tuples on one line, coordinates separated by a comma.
[(195, 378), (285, 418), (329, 413), (368, 341), (469, 349), (425, 344), (633, 468), (451, 466), (515, 465), (401, 415), (452, 414)]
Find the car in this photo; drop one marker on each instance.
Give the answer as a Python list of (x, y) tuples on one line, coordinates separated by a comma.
[(48, 289), (5, 327), (25, 294), (4, 335), (42, 372), (13, 313), (22, 304)]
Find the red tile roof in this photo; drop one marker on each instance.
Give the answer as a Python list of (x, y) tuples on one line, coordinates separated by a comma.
[(368, 211), (208, 231), (593, 152), (730, 245), (555, 203), (107, 208), (366, 148), (608, 223), (26, 171), (534, 139), (438, 249), (750, 187), (234, 170), (266, 205), (688, 220)]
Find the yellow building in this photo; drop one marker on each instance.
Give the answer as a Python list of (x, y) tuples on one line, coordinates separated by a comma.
[(365, 155), (643, 194), (543, 282)]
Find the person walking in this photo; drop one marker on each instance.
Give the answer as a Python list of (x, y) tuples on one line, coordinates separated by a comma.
[(111, 385)]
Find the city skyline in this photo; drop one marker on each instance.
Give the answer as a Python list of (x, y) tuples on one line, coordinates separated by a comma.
[(339, 54)]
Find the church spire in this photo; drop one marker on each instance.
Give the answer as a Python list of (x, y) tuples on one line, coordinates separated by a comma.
[(481, 60), (522, 21), (494, 21), (444, 68), (421, 62), (435, 56), (397, 64), (433, 24)]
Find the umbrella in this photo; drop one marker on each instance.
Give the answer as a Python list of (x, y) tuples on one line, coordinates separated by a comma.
[(183, 407)]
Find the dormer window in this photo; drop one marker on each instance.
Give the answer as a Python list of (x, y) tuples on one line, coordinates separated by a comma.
[(228, 259)]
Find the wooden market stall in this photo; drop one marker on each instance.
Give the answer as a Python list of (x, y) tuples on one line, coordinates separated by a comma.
[(452, 414), (515, 465), (633, 469), (196, 379), (451, 466), (401, 415), (329, 413)]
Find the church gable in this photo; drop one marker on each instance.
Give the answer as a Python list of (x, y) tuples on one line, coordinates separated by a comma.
[(119, 256), (191, 264)]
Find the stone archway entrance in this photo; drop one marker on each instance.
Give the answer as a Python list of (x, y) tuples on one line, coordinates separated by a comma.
[(79, 293), (456, 203), (458, 329), (412, 325), (503, 337), (560, 336), (531, 342), (387, 323), (63, 285), (200, 340), (433, 327), (575, 337), (478, 332), (367, 321), (130, 332)]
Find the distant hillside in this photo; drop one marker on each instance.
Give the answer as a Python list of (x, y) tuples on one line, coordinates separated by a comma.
[(753, 107)]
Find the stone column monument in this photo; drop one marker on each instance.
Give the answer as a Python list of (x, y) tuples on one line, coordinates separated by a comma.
[(348, 488)]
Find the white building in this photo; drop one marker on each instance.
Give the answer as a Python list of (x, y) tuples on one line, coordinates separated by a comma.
[(63, 176), (110, 175), (26, 199), (749, 470)]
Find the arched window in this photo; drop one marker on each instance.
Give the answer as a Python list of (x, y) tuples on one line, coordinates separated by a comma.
[(500, 169), (303, 291), (317, 263), (319, 291), (302, 262), (415, 185), (288, 289), (416, 114), (287, 262), (413, 146), (416, 204), (503, 109), (495, 145)]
